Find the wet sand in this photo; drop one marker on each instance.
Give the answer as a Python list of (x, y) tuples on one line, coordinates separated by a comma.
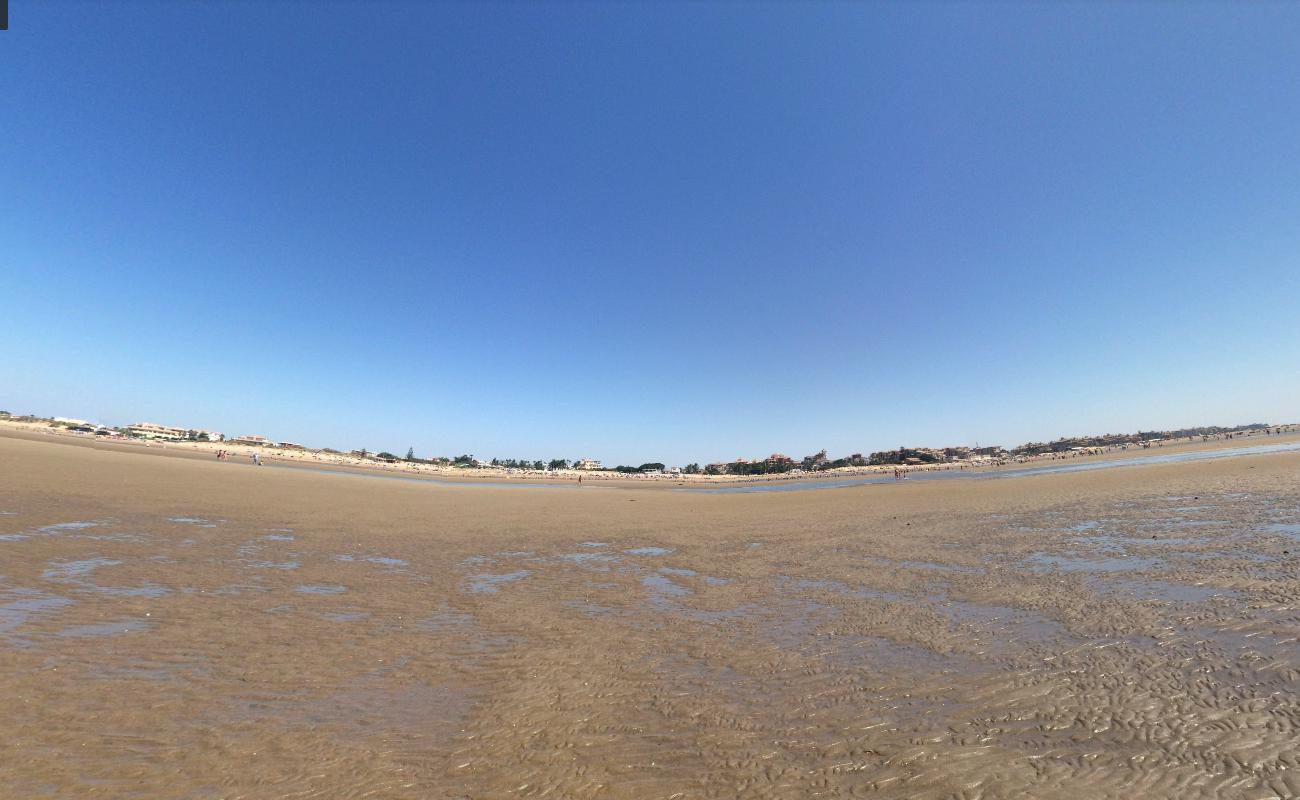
[(172, 627)]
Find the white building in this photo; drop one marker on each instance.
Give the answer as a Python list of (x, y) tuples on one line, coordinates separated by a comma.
[(150, 430), (587, 463), (255, 441)]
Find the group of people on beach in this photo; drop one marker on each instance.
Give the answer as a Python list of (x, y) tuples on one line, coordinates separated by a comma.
[(224, 455)]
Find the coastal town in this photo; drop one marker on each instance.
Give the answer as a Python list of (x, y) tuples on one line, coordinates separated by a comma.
[(900, 461)]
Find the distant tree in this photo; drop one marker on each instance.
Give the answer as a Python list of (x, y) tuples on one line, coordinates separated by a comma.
[(692, 469), (364, 453), (539, 465), (713, 469), (465, 460), (410, 454), (558, 463), (651, 467)]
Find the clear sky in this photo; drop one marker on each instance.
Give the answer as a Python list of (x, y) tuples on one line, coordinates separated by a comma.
[(667, 232)]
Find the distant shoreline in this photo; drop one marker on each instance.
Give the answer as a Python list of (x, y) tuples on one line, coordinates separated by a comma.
[(318, 461)]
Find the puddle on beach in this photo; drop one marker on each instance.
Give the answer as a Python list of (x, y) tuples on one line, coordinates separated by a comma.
[(487, 584), (588, 558), (1289, 529), (105, 628), (346, 616), (68, 526), (662, 587), (283, 565), (934, 566), (317, 589), (1163, 591), (1045, 561), (1107, 542), (1007, 624), (1239, 642), (14, 614), (51, 530), (202, 523), (860, 592), (278, 537), (650, 551), (231, 590), (71, 570), (384, 560), (75, 573)]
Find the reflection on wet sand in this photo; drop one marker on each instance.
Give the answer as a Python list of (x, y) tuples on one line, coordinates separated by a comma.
[(980, 642)]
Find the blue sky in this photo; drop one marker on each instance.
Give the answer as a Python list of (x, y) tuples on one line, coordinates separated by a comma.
[(651, 232)]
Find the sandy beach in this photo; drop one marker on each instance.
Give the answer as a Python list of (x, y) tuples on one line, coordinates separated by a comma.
[(186, 628)]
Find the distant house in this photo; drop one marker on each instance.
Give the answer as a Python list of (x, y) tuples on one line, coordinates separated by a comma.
[(211, 436), (149, 430), (253, 441), (587, 463), (291, 446)]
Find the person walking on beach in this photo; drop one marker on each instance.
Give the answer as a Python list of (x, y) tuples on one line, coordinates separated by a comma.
[(257, 460)]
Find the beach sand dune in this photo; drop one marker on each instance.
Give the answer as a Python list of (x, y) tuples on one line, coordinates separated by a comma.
[(192, 628)]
